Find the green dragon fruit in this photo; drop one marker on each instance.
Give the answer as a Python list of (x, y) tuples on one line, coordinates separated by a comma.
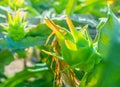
[(76, 47), (16, 26)]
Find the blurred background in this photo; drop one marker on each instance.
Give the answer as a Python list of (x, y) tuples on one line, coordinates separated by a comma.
[(22, 64)]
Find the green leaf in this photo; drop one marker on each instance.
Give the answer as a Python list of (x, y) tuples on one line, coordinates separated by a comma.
[(37, 71), (6, 57), (70, 6), (24, 43), (87, 7), (3, 44), (40, 30), (107, 73), (59, 8)]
